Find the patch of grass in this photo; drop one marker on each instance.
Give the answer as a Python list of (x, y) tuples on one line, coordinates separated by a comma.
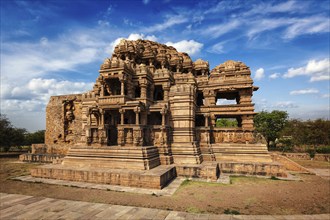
[(231, 212), (246, 179), (193, 209), (186, 182)]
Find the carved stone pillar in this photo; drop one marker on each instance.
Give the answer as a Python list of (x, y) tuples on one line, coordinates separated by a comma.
[(163, 112), (102, 117), (166, 93), (213, 122), (137, 118), (121, 111), (122, 87), (121, 138), (143, 91), (206, 116)]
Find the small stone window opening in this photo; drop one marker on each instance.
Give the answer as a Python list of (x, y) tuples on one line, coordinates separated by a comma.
[(200, 98), (227, 98), (228, 122), (199, 121), (112, 87), (155, 118), (137, 91), (158, 93), (129, 117)]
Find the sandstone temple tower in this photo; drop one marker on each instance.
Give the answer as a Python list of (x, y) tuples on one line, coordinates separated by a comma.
[(152, 106)]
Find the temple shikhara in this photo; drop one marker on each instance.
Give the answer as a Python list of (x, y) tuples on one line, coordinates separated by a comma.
[(154, 114)]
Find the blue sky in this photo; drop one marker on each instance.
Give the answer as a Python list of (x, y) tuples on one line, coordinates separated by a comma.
[(56, 47)]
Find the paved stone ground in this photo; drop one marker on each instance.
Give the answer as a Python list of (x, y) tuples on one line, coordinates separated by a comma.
[(166, 191), (14, 206), (324, 173)]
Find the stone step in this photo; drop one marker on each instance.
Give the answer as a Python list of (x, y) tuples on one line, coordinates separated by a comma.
[(241, 157), (156, 178)]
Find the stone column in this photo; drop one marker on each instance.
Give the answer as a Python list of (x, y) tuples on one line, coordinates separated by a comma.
[(166, 93), (121, 111), (163, 112), (206, 116), (213, 122), (143, 90), (122, 87), (102, 117), (137, 111)]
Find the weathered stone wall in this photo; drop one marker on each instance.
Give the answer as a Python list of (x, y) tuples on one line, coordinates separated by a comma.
[(63, 123), (305, 156)]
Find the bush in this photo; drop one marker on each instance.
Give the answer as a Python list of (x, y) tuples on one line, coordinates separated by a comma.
[(323, 150), (311, 152)]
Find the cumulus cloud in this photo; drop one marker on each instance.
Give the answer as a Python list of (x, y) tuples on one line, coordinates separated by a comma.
[(189, 46), (317, 70), (304, 91), (31, 98), (39, 89), (274, 76), (260, 73)]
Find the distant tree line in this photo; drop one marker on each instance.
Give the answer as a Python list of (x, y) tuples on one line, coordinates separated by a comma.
[(11, 136), (286, 134)]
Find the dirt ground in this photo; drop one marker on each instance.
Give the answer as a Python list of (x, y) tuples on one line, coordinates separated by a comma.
[(246, 195)]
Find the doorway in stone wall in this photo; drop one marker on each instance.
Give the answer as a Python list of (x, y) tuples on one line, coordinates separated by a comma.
[(111, 120)]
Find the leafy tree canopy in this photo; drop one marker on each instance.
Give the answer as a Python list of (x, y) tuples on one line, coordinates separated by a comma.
[(269, 124)]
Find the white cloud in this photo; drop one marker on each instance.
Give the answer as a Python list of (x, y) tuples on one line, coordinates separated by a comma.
[(274, 76), (285, 104), (41, 89), (317, 70), (260, 73), (217, 48), (215, 31), (326, 96), (304, 91), (189, 46), (169, 22), (261, 25), (310, 25)]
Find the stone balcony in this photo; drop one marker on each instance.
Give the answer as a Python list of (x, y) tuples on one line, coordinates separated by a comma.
[(227, 109), (113, 100)]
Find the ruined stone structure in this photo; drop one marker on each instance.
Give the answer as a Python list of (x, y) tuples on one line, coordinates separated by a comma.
[(153, 107)]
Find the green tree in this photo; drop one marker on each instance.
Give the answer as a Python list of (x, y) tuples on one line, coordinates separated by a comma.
[(37, 137), (269, 124), (226, 123), (312, 132), (9, 135)]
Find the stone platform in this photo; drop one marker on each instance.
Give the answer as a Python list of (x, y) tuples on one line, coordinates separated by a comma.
[(207, 170), (156, 178), (251, 168), (129, 157)]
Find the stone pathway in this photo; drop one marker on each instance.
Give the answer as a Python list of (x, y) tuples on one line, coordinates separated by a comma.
[(14, 206), (324, 173)]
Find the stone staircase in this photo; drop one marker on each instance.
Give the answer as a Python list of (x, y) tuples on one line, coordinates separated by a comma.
[(241, 152)]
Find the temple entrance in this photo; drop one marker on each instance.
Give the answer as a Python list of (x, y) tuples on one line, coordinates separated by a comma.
[(111, 120)]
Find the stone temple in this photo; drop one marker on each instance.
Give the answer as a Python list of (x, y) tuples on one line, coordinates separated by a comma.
[(151, 116)]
